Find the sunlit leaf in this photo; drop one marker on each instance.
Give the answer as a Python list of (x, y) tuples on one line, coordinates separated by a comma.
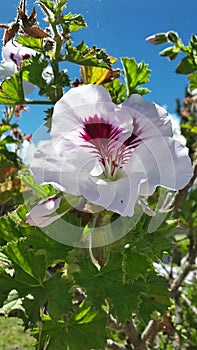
[(11, 91), (186, 66), (72, 22), (193, 81), (12, 303), (117, 91), (85, 56), (32, 264), (97, 75), (33, 69), (170, 52), (136, 74), (33, 43)]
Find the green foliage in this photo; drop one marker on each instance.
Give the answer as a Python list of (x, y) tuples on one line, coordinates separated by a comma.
[(72, 22), (85, 56), (33, 43), (33, 69), (85, 329), (78, 298), (135, 74), (117, 91), (11, 91)]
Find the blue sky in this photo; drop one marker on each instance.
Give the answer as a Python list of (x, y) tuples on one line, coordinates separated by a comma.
[(121, 26)]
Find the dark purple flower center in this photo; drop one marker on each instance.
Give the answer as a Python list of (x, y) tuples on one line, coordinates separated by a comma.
[(17, 59), (104, 140)]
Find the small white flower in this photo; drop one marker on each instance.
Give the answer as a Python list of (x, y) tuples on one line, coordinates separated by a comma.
[(111, 154), (13, 56)]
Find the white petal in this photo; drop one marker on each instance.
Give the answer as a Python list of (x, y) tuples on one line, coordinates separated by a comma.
[(17, 50), (163, 161), (149, 118), (119, 196), (83, 102), (65, 173), (7, 69)]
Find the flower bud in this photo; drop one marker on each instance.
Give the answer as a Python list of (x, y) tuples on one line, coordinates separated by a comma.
[(173, 37), (159, 38), (44, 213)]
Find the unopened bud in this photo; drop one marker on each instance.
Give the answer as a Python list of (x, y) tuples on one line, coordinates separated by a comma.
[(159, 38), (173, 37)]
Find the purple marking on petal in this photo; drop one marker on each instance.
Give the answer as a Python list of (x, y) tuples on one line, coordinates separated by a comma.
[(26, 56), (13, 58), (103, 139)]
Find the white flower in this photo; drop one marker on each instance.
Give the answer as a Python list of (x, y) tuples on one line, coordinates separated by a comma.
[(110, 154), (13, 56)]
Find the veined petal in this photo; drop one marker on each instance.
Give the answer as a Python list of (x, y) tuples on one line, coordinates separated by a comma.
[(80, 103), (16, 52), (65, 173), (161, 160), (149, 118)]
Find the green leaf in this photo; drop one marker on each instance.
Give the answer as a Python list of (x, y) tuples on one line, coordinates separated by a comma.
[(33, 43), (108, 284), (53, 250), (170, 52), (72, 22), (84, 330), (62, 79), (193, 81), (135, 74), (117, 91), (186, 66), (157, 299), (54, 294), (32, 264), (31, 277), (11, 91), (8, 140), (84, 56), (32, 71), (136, 263), (4, 128), (12, 303), (10, 230), (48, 3)]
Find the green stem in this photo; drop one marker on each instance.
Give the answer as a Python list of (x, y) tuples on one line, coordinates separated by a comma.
[(11, 114)]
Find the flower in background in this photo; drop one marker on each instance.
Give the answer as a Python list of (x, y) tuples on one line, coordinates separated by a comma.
[(13, 55), (110, 154)]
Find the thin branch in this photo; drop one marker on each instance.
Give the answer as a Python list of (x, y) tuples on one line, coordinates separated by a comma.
[(112, 323), (134, 337), (185, 269), (150, 332), (188, 302), (112, 345)]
